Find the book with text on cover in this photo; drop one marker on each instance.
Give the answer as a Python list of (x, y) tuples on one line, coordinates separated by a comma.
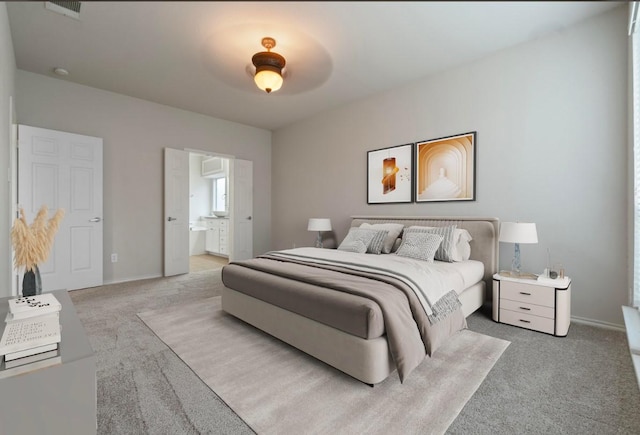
[(30, 333), (30, 306)]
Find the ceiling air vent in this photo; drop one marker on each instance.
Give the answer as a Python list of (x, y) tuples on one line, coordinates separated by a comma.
[(70, 9)]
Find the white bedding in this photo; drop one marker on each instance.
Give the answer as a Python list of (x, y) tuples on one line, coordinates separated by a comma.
[(429, 281), (461, 275)]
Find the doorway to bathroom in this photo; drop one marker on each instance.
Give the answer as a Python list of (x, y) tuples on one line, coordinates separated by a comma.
[(209, 229), (228, 229)]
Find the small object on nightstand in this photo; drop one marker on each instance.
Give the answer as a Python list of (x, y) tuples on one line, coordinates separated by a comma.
[(555, 282)]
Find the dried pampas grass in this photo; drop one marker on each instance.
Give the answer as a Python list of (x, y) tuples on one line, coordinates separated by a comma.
[(32, 244)]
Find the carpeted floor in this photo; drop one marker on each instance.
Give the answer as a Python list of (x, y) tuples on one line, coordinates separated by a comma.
[(581, 384)]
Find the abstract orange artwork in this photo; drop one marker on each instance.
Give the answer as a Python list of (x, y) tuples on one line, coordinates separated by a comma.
[(389, 175), (445, 168)]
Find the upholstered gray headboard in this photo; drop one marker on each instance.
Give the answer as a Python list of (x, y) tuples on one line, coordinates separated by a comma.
[(484, 246)]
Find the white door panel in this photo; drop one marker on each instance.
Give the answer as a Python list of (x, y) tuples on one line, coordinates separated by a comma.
[(242, 206), (176, 212), (64, 170)]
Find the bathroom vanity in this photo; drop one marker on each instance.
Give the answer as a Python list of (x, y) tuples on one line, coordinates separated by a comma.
[(217, 236)]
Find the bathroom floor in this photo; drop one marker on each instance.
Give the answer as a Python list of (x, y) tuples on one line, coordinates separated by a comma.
[(198, 263)]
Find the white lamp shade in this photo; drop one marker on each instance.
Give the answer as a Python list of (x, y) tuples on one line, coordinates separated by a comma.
[(518, 232), (267, 79), (319, 224)]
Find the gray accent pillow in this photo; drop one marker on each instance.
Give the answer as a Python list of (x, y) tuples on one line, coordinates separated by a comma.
[(355, 246), (363, 235), (377, 243), (445, 251), (419, 245), (461, 247), (393, 230)]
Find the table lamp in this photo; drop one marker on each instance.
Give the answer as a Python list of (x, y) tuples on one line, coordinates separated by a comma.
[(319, 225), (517, 232)]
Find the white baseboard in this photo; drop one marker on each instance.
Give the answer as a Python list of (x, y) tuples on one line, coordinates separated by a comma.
[(137, 278), (598, 323)]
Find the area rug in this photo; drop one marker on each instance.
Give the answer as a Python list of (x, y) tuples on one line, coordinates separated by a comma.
[(278, 389)]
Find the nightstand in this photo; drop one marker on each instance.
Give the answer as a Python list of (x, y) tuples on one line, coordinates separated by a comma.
[(543, 306)]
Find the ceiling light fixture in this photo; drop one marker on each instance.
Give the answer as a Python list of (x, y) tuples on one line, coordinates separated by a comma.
[(268, 67)]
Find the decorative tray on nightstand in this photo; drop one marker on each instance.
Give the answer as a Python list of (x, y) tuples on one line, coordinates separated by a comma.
[(521, 275)]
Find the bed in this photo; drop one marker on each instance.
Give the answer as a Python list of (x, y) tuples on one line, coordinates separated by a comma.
[(291, 294)]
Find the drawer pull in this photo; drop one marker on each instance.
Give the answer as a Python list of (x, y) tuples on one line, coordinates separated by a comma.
[(525, 293), (524, 321), (525, 308)]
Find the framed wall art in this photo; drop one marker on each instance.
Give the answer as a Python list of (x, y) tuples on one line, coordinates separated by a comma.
[(389, 175), (446, 168)]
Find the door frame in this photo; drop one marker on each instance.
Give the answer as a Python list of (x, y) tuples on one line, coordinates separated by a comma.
[(13, 209), (204, 154), (66, 273)]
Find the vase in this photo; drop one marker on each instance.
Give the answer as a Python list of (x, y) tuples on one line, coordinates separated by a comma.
[(31, 282)]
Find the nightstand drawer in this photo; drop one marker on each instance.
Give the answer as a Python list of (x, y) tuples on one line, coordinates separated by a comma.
[(526, 308), (529, 293), (528, 321)]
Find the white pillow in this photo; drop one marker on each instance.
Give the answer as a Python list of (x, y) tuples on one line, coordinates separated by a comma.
[(394, 231), (461, 248), (462, 251)]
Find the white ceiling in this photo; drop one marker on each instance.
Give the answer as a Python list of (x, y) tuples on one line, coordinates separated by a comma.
[(195, 55)]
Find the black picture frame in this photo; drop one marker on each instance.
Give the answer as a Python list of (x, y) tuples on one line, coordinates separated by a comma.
[(445, 168), (390, 175)]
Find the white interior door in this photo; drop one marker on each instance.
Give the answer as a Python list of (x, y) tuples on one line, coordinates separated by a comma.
[(242, 210), (176, 212), (64, 170)]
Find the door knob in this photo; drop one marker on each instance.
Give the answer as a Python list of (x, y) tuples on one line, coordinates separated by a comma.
[(249, 218), (95, 219), (172, 219)]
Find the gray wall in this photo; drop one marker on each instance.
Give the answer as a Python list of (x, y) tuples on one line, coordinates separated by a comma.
[(551, 117), (7, 91), (135, 132)]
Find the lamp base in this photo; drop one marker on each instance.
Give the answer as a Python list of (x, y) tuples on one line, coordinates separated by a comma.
[(515, 263), (319, 240)]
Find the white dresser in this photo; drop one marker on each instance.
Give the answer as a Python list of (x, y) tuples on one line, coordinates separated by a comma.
[(543, 306)]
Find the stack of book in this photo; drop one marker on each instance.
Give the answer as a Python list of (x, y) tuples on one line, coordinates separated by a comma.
[(31, 333)]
